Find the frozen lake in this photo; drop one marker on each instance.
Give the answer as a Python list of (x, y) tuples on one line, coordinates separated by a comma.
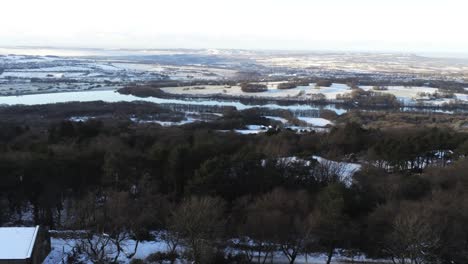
[(110, 96)]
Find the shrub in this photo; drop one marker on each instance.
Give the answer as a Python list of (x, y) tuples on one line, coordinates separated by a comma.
[(318, 97), (323, 83), (253, 88), (370, 99), (380, 88), (287, 85), (161, 257), (293, 84), (328, 114), (137, 261)]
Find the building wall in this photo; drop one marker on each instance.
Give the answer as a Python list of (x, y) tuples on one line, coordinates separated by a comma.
[(19, 261), (41, 248)]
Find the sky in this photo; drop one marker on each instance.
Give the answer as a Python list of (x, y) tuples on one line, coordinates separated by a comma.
[(344, 25)]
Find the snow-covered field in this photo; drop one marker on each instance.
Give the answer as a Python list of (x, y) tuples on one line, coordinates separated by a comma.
[(40, 70), (409, 95), (404, 91), (317, 122), (19, 74), (34, 88), (412, 94), (398, 65), (273, 92)]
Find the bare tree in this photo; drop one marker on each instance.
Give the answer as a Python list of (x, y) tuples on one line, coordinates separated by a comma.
[(278, 221), (198, 222), (327, 172), (112, 225), (413, 237), (97, 248), (329, 223)]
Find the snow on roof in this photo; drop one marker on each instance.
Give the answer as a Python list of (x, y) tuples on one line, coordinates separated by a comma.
[(17, 242)]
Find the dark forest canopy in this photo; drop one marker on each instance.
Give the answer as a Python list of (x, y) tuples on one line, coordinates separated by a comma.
[(163, 177)]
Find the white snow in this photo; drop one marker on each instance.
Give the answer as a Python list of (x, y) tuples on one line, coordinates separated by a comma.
[(249, 132), (80, 118), (63, 242), (272, 92), (276, 118), (410, 95), (332, 91), (62, 247), (308, 129), (17, 242), (344, 169), (463, 97), (252, 129), (187, 120), (64, 68), (256, 127), (319, 122)]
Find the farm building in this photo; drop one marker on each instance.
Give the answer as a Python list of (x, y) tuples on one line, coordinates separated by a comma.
[(23, 245)]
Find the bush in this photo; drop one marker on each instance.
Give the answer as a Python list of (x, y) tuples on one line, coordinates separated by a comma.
[(287, 85), (328, 114), (253, 88), (161, 257), (142, 91), (380, 88), (323, 83), (137, 261), (318, 97), (293, 84), (370, 99)]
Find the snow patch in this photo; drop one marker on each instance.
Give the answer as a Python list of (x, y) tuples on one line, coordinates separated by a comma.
[(318, 122)]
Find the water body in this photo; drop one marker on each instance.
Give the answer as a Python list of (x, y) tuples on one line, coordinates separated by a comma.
[(113, 97)]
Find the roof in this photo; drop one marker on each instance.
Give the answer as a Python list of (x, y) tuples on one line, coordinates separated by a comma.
[(17, 242)]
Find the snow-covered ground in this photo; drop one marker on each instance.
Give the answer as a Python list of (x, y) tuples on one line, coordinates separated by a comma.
[(412, 94), (40, 70), (409, 95), (249, 130), (302, 129), (62, 247), (20, 73), (404, 91), (463, 97), (344, 170), (186, 120), (317, 122), (273, 92), (276, 118)]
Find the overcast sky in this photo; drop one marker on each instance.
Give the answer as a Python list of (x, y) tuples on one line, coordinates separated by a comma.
[(364, 25)]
